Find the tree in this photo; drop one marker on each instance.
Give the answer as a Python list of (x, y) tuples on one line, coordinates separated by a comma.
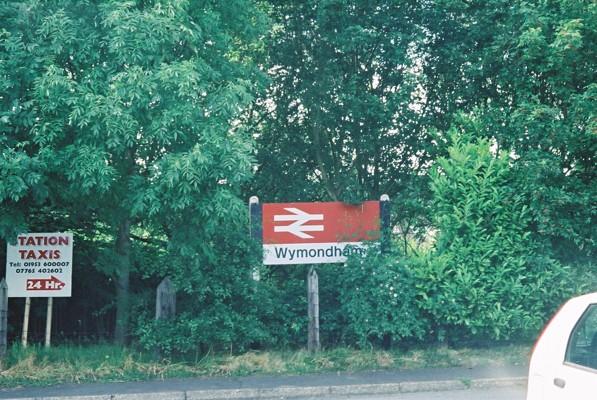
[(552, 115), (342, 120), (131, 108), (486, 275), (525, 73)]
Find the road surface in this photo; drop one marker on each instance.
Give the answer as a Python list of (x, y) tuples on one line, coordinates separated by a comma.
[(509, 393)]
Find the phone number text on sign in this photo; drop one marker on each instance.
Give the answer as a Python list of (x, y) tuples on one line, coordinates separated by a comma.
[(40, 265)]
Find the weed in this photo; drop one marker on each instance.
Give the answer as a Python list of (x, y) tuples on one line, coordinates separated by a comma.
[(39, 366)]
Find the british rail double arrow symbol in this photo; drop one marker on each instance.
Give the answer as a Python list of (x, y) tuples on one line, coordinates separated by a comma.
[(298, 227)]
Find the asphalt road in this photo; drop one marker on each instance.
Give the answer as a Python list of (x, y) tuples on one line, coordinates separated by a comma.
[(509, 393), (460, 382)]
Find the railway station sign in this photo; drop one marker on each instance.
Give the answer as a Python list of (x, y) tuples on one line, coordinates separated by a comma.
[(319, 232)]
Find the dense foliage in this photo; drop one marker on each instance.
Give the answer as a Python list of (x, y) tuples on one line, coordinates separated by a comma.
[(379, 299), (144, 126), (486, 274), (132, 119)]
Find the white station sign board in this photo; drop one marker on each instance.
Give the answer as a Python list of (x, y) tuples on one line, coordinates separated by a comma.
[(313, 233), (40, 265)]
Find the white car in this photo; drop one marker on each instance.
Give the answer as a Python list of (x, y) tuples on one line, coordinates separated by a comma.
[(564, 361)]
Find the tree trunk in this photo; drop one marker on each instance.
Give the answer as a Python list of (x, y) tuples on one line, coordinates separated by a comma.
[(321, 162), (122, 281)]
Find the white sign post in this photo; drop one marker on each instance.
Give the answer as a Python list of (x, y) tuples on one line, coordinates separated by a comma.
[(40, 265)]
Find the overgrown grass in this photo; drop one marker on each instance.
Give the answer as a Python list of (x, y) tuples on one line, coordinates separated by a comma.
[(38, 366)]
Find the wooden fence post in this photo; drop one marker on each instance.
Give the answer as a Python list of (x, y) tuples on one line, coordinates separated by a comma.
[(49, 321), (3, 318), (25, 336), (165, 307), (313, 299)]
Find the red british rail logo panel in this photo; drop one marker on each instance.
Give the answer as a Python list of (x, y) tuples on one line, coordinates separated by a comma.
[(329, 222)]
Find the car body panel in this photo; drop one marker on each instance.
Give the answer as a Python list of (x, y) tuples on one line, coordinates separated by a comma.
[(551, 375)]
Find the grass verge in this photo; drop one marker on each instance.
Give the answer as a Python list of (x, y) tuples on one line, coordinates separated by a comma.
[(38, 366)]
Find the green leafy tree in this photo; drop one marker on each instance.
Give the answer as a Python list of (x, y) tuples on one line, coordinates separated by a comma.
[(553, 115), (525, 72), (486, 276), (130, 108), (342, 119)]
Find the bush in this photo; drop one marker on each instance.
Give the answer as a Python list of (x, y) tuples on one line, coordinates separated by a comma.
[(220, 305), (487, 276), (378, 299)]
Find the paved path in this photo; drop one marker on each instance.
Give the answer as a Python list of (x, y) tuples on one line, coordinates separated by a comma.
[(283, 387)]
